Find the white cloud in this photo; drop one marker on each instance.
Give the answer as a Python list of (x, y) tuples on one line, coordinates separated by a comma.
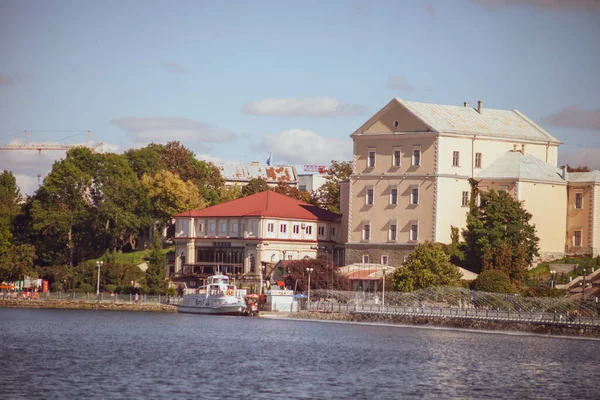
[(576, 5), (174, 68), (399, 82), (167, 129), (322, 106), (299, 146)]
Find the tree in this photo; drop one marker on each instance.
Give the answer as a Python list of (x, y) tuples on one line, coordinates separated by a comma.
[(581, 168), (325, 275), (171, 195), (229, 193), (16, 262), (428, 265), (328, 195), (290, 191), (497, 225), (495, 281), (156, 280), (255, 185), (10, 196)]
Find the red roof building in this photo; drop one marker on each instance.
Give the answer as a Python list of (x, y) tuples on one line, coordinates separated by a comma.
[(243, 237)]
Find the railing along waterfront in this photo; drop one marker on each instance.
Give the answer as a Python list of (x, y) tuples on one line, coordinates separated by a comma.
[(93, 297), (453, 302)]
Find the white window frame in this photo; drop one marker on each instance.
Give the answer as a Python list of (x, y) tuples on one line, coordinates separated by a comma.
[(212, 227), (234, 228), (578, 195), (270, 227), (321, 230), (478, 160), (575, 231), (366, 231), (393, 233), (308, 230), (333, 232), (296, 229), (384, 259), (411, 196), (371, 162), (396, 161), (393, 201), (465, 199), (369, 200), (221, 230), (456, 158), (365, 259), (410, 232), (413, 158), (283, 228)]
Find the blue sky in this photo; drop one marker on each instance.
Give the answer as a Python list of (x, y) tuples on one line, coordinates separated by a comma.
[(236, 80)]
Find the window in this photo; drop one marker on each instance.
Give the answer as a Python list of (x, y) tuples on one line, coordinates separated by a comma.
[(369, 199), (579, 200), (200, 227), (393, 234), (414, 232), (211, 227), (296, 229), (365, 259), (477, 160), (384, 260), (455, 158), (371, 159), (308, 230), (333, 231), (397, 158), (502, 188), (234, 227), (282, 228), (393, 196), (416, 158), (223, 227), (577, 238), (465, 199), (414, 195), (321, 230), (366, 232), (270, 227)]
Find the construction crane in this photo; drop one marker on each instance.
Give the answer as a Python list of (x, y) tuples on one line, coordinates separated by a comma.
[(50, 146), (321, 169)]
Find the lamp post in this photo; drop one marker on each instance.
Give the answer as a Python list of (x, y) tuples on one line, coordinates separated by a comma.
[(261, 269), (583, 285), (552, 277), (383, 286), (309, 270), (99, 264)]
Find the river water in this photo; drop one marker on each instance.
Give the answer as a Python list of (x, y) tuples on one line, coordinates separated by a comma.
[(77, 354)]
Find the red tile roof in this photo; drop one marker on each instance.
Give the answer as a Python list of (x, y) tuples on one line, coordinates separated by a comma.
[(265, 204)]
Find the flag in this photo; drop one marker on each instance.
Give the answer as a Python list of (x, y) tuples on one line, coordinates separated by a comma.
[(269, 159)]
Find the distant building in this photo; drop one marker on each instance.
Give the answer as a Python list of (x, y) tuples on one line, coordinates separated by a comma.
[(311, 182), (248, 236), (241, 174)]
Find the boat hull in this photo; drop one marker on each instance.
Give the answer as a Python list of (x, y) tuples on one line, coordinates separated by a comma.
[(222, 310)]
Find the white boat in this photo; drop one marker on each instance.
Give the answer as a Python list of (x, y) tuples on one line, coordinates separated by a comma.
[(217, 297)]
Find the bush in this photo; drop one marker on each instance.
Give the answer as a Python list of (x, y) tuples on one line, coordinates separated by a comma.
[(56, 287), (76, 290), (171, 292), (545, 292), (110, 288), (86, 288), (493, 281)]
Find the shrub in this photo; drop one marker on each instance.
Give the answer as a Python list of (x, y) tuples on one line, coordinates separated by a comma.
[(86, 288), (110, 288), (493, 281), (76, 290), (56, 287), (544, 292), (171, 292)]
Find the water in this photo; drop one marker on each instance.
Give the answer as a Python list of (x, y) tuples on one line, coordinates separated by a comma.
[(107, 354)]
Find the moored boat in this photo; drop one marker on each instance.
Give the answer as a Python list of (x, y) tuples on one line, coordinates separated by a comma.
[(217, 297)]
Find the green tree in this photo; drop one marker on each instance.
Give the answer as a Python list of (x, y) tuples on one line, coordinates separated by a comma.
[(156, 280), (10, 196), (144, 161), (255, 185), (171, 195), (495, 281), (428, 265), (16, 262), (229, 193), (498, 220), (328, 195), (293, 192)]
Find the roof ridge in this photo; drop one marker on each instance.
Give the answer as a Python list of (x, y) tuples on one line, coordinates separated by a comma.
[(536, 126)]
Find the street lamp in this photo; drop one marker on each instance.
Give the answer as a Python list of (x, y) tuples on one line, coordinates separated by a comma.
[(99, 264), (552, 277), (383, 286), (309, 270), (583, 285), (261, 268)]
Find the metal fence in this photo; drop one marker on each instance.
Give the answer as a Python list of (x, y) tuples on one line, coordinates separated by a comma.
[(458, 302), (93, 297)]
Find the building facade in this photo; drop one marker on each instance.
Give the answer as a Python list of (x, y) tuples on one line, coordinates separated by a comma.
[(241, 174), (245, 238), (412, 162)]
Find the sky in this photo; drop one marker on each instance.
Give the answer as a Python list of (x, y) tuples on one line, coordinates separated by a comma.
[(235, 81)]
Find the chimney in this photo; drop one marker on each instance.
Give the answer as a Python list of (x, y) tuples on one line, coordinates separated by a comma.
[(479, 106), (523, 149), (254, 163), (515, 147), (565, 174), (466, 104)]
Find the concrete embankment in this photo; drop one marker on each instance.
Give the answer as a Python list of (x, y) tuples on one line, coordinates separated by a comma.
[(454, 323), (86, 305)]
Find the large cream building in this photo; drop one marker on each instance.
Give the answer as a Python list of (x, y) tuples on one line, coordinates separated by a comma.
[(412, 162)]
